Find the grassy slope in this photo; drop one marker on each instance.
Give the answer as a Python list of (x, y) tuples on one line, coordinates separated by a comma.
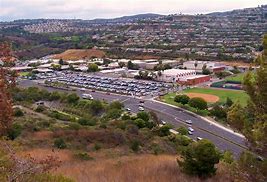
[(240, 96), (238, 77)]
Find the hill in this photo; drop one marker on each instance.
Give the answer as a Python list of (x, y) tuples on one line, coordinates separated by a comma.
[(132, 18), (77, 54)]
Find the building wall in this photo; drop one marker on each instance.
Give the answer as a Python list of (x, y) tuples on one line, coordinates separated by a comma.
[(195, 81), (174, 77)]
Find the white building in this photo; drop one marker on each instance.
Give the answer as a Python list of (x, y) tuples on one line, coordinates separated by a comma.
[(174, 75), (198, 65)]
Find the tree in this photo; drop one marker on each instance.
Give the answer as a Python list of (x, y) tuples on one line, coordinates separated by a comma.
[(182, 130), (164, 130), (61, 62), (251, 168), (229, 102), (200, 158), (115, 105), (183, 99), (198, 103), (236, 117), (96, 106), (205, 71), (256, 87), (121, 64), (93, 67), (72, 98), (140, 123), (7, 82), (71, 67), (130, 65), (219, 112), (154, 117), (143, 115), (195, 64)]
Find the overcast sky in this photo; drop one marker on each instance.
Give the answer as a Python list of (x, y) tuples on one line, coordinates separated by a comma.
[(90, 9)]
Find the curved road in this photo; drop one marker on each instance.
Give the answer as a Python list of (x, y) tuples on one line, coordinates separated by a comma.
[(221, 137)]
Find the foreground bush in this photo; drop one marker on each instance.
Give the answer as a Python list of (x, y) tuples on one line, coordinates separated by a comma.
[(200, 159)]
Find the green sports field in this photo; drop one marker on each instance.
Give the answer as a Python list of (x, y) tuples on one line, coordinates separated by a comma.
[(236, 78), (240, 96)]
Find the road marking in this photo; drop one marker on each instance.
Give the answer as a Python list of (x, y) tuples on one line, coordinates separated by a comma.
[(125, 100), (237, 144)]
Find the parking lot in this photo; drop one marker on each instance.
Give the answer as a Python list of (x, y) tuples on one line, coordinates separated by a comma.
[(115, 85)]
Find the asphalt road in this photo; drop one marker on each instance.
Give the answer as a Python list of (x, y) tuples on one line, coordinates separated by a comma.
[(223, 139)]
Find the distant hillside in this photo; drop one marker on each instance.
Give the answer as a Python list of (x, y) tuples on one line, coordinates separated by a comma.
[(77, 54), (247, 11), (128, 18)]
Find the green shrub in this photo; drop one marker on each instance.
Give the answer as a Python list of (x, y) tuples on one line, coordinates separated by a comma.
[(198, 103), (74, 126), (14, 132), (156, 149), (182, 140), (115, 105), (183, 99), (87, 122), (135, 145), (125, 117), (60, 143), (72, 98), (40, 109), (219, 112), (114, 113), (18, 112), (83, 156), (97, 146), (140, 123), (164, 130), (182, 130), (54, 96), (60, 116), (143, 115)]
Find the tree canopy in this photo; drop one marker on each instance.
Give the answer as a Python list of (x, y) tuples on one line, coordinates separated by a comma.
[(200, 159)]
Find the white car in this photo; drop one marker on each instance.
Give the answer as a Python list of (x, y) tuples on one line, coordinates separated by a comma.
[(190, 133), (163, 122), (188, 121), (191, 129), (141, 109), (199, 138), (128, 109), (87, 96)]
